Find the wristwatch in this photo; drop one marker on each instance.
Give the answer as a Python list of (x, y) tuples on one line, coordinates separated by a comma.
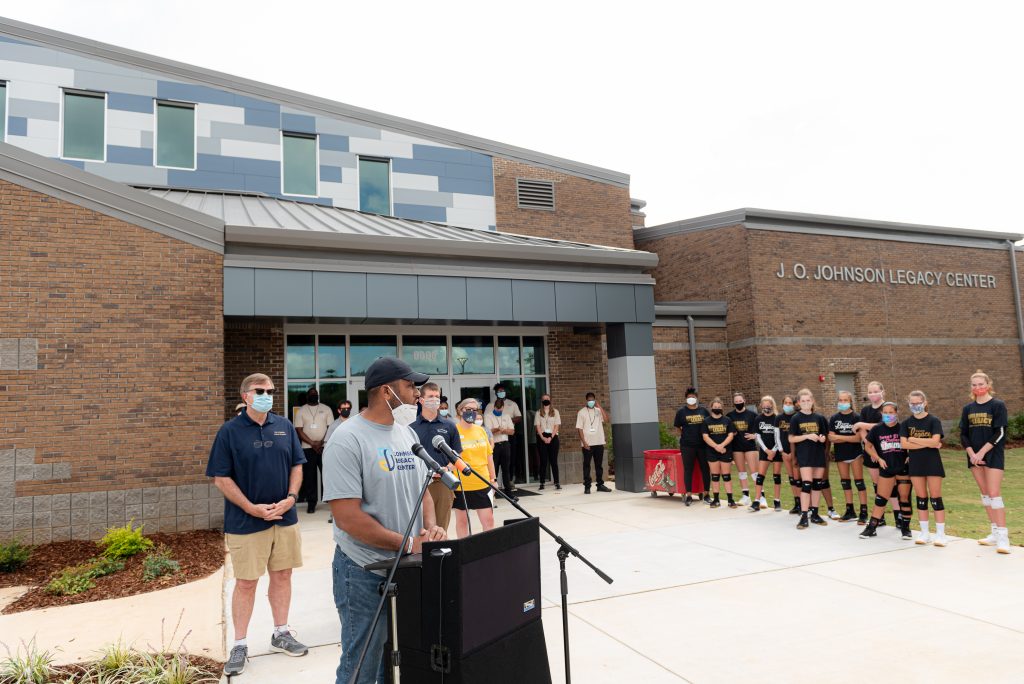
[(293, 496)]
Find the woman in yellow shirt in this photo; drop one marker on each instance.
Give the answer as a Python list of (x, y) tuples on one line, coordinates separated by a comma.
[(478, 453)]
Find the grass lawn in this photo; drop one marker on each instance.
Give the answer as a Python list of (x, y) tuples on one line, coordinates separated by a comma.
[(965, 516)]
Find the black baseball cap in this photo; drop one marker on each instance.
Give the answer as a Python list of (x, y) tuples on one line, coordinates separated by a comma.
[(388, 369)]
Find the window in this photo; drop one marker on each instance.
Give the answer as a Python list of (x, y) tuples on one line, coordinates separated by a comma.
[(84, 126), (299, 164), (426, 354), (3, 110), (364, 350), (472, 354), (176, 135), (535, 194), (375, 186)]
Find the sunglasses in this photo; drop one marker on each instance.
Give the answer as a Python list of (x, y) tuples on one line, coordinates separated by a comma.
[(260, 390)]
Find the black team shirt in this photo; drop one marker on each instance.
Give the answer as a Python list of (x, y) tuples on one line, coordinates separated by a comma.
[(984, 423), (808, 424), (691, 420), (842, 424), (783, 424), (766, 427), (923, 428), (886, 440), (718, 429), (743, 421)]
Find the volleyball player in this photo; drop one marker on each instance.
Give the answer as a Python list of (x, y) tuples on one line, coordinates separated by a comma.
[(808, 432), (718, 433), (870, 416), (983, 435), (788, 459), (744, 450), (846, 450), (769, 444), (885, 447), (921, 435), (689, 420)]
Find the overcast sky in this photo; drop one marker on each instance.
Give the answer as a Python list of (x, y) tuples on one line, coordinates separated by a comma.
[(901, 111)]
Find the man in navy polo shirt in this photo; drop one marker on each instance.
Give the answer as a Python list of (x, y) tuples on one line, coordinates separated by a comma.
[(256, 462), (426, 426)]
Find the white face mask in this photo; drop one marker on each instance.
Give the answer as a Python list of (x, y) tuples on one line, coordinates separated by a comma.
[(691, 401), (404, 414), (431, 404)]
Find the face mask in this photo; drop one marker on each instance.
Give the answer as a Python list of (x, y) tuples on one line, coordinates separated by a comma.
[(497, 414), (979, 391), (469, 416), (591, 403), (546, 402), (431, 404), (739, 406), (875, 397), (313, 399), (844, 406), (500, 395), (444, 412), (888, 418), (917, 408), (716, 412), (691, 401), (479, 421), (262, 403), (404, 414), (766, 410), (345, 413), (787, 409)]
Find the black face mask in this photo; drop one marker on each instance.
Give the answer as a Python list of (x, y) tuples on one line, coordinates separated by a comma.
[(344, 413), (546, 402), (739, 406), (313, 399), (716, 412)]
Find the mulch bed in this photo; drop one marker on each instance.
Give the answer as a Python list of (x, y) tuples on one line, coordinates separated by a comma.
[(75, 672), (200, 553)]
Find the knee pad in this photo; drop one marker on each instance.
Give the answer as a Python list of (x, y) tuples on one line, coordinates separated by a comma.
[(922, 503), (825, 484), (743, 475), (881, 501), (847, 485), (759, 479), (997, 502), (819, 484), (859, 484), (937, 504), (805, 486), (793, 482), (715, 477), (986, 501), (727, 477), (777, 479)]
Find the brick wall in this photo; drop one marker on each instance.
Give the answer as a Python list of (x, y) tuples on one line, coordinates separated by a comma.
[(672, 367), (127, 390), (585, 210), (252, 345)]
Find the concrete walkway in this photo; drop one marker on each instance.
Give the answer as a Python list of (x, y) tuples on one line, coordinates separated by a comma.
[(724, 595)]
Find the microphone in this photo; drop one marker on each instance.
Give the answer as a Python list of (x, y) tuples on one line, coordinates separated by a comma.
[(449, 480), (442, 446)]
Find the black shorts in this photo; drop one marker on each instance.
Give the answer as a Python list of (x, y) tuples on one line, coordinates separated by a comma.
[(926, 465), (897, 467), (996, 461), (777, 458), (476, 498), (811, 460), (715, 457)]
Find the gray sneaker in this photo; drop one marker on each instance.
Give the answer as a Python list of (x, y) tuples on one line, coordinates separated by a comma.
[(286, 643), (236, 661)]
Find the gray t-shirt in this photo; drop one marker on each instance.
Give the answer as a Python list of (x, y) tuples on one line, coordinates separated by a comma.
[(373, 462)]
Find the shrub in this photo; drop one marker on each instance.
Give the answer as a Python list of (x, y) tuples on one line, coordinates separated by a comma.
[(668, 436), (1015, 428), (13, 555), (122, 542), (27, 665), (159, 563), (79, 578)]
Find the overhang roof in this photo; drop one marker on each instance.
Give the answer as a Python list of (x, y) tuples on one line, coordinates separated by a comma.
[(255, 219), (311, 103), (819, 224)]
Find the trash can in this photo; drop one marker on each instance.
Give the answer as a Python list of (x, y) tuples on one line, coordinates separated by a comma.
[(663, 471)]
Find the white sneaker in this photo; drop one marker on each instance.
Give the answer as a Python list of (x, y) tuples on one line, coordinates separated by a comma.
[(764, 502), (832, 515), (1003, 542), (745, 501), (923, 538), (940, 539), (990, 540)]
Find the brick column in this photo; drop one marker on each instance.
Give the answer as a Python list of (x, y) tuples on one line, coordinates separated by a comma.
[(634, 400)]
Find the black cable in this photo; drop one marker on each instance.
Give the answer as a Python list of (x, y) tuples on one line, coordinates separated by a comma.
[(440, 607)]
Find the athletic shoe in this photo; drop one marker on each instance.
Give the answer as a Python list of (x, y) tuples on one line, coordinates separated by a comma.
[(862, 519), (285, 643), (778, 506), (236, 661), (715, 504), (817, 519), (940, 539), (764, 502), (745, 501), (1003, 542), (733, 504), (923, 538), (602, 488), (832, 514), (882, 523), (541, 488), (991, 540), (868, 532), (848, 516), (795, 510), (755, 507), (707, 498), (905, 531), (802, 525), (558, 486), (687, 501), (586, 489)]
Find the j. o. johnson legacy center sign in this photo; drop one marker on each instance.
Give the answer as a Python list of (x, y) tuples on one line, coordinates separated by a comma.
[(894, 276)]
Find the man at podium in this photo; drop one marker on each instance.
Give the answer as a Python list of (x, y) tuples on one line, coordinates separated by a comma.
[(372, 481)]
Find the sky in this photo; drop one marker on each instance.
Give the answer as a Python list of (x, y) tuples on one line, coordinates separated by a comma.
[(896, 110)]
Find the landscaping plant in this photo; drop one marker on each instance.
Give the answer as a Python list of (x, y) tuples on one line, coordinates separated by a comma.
[(123, 542), (13, 555), (159, 563), (27, 665), (79, 578)]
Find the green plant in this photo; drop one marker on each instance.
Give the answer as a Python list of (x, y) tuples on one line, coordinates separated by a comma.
[(117, 657), (1015, 428), (79, 578), (27, 665), (668, 436), (159, 563), (123, 542), (13, 555)]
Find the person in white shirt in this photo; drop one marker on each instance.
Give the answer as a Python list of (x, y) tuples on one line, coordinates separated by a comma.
[(499, 426), (547, 423), (517, 463), (590, 422), (312, 421)]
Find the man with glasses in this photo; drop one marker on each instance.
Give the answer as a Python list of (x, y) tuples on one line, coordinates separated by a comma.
[(256, 462)]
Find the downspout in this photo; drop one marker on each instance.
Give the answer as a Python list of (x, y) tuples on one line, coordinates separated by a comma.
[(693, 344), (1016, 300)]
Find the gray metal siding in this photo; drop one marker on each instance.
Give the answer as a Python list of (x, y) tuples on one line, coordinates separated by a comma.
[(616, 303), (644, 303), (533, 300), (489, 299), (391, 296), (239, 292), (284, 293), (576, 302), (442, 298), (339, 295)]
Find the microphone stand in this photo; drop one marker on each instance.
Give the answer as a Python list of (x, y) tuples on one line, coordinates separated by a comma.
[(565, 549)]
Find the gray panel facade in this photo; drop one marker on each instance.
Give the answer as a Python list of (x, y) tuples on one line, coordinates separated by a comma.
[(616, 303), (239, 292), (630, 441), (284, 293), (340, 295), (391, 296), (576, 302), (630, 339), (488, 299), (644, 303), (441, 298), (533, 300)]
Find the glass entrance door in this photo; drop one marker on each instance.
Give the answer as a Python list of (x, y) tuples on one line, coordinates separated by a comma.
[(477, 387)]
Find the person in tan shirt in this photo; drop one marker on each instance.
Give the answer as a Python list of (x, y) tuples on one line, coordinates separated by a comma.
[(500, 427), (590, 422), (547, 423), (312, 420)]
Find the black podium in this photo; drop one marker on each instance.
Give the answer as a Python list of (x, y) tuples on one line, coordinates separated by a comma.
[(469, 610)]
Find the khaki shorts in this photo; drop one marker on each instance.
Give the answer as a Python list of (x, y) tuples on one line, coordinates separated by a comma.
[(276, 548)]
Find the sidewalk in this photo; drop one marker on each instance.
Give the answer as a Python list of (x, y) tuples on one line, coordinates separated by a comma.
[(705, 595)]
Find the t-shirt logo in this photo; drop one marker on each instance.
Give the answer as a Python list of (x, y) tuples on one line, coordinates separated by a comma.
[(390, 461), (980, 419), (809, 428), (696, 419), (718, 429)]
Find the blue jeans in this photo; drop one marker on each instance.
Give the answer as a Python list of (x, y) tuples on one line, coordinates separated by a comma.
[(356, 596)]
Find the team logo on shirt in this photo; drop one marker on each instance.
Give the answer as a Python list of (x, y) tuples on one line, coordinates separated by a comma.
[(717, 429), (980, 419), (809, 428), (918, 433), (391, 460), (695, 419), (843, 428), (890, 444)]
